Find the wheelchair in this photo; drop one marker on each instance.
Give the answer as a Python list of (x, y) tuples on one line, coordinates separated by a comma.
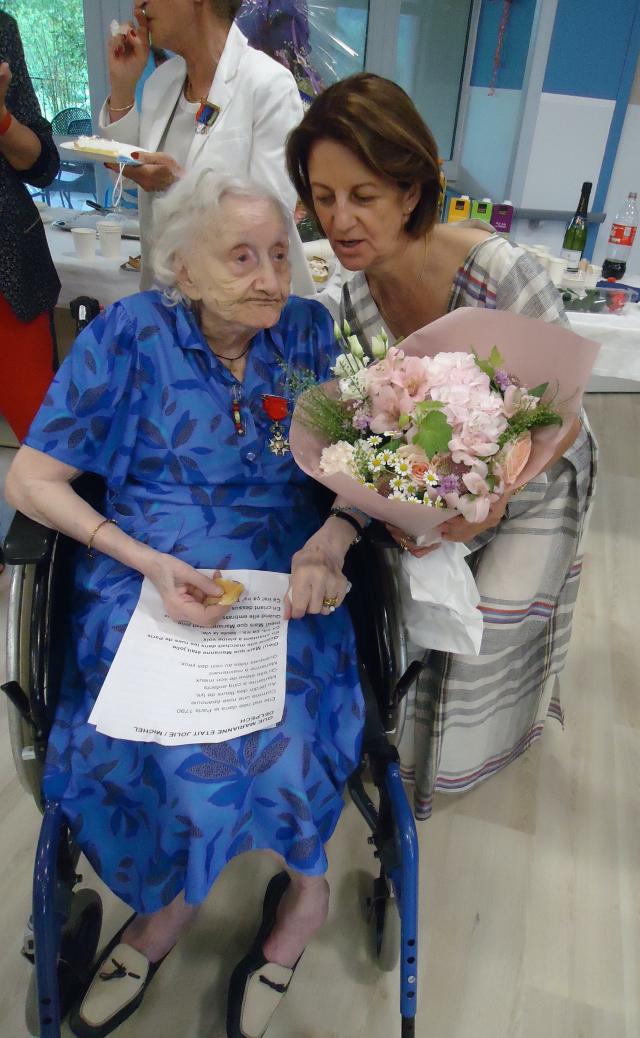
[(66, 919)]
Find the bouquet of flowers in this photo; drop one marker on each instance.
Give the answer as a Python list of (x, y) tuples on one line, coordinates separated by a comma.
[(430, 429)]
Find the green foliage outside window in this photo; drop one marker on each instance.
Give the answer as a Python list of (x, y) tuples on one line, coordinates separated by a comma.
[(54, 45)]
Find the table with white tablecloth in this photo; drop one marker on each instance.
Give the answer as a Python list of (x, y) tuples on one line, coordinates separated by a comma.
[(619, 334), (101, 278)]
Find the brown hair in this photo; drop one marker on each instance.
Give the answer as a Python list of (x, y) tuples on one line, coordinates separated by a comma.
[(377, 121), (226, 9)]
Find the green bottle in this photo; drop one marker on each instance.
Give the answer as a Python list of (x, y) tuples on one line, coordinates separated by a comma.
[(575, 236)]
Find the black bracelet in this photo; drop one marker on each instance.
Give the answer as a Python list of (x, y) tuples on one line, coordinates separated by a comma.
[(339, 514)]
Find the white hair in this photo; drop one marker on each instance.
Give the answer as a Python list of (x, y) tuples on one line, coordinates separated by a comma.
[(185, 208)]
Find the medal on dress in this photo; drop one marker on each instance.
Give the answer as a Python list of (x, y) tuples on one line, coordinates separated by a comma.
[(206, 116), (235, 411), (277, 408)]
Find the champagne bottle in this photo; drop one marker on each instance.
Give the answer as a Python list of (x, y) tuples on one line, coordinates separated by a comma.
[(575, 236)]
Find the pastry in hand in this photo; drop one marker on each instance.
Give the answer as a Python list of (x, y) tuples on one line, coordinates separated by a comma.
[(232, 589)]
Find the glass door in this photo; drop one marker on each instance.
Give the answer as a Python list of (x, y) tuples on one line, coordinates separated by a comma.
[(429, 63), (53, 39)]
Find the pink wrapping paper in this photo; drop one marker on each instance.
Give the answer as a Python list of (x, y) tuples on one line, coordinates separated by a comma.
[(533, 350)]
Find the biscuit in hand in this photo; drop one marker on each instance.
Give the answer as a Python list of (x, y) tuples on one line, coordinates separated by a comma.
[(232, 589)]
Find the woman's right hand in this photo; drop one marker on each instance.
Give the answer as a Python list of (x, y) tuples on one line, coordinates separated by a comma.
[(184, 590), (127, 58), (408, 543)]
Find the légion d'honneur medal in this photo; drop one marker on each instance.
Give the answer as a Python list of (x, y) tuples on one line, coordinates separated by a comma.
[(277, 409)]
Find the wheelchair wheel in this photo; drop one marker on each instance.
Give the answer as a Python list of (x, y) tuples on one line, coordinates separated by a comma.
[(78, 946), (386, 924), (381, 914)]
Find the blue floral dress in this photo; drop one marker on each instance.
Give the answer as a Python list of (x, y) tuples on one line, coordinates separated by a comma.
[(142, 401)]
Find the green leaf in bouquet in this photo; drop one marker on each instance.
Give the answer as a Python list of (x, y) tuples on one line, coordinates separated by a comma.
[(329, 417), (493, 362), (426, 407), (404, 420), (540, 390), (433, 434)]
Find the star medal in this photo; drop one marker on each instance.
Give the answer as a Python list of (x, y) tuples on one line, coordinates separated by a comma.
[(277, 409)]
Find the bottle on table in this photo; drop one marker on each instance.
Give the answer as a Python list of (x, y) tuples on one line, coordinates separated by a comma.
[(621, 236), (459, 209), (481, 210), (575, 236), (502, 217)]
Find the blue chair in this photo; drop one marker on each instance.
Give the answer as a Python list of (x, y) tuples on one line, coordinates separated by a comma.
[(66, 920), (73, 177)]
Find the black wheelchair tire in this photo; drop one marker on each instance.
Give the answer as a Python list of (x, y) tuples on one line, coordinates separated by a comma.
[(387, 937), (78, 945)]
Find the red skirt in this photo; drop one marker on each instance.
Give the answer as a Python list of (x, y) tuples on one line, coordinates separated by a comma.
[(26, 366)]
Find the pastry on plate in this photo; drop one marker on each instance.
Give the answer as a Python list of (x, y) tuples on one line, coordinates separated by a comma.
[(319, 269)]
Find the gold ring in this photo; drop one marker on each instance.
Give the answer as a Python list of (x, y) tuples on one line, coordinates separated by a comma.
[(404, 543), (330, 603)]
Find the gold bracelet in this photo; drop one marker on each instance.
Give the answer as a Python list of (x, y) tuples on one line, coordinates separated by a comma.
[(102, 523), (519, 490), (125, 109)]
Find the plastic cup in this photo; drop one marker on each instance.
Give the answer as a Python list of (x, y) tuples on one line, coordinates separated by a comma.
[(592, 276), (557, 266), (110, 235), (84, 241)]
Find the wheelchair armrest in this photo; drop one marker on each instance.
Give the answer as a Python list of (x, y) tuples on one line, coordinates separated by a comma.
[(28, 541)]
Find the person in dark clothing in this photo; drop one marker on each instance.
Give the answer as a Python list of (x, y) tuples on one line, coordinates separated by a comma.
[(29, 285)]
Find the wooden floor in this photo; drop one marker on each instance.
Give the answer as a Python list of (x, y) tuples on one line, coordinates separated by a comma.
[(530, 907)]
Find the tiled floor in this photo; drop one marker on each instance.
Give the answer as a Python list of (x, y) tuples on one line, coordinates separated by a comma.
[(530, 890)]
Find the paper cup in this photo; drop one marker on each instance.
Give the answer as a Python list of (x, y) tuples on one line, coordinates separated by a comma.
[(84, 241), (110, 235), (557, 266)]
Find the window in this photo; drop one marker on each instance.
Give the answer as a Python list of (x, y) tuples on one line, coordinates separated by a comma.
[(54, 46), (53, 38)]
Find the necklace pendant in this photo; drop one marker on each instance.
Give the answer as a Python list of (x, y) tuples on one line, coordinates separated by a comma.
[(237, 416), (278, 444)]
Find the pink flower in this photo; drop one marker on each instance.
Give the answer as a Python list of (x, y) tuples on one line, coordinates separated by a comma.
[(419, 470), (514, 456), (517, 399), (458, 369)]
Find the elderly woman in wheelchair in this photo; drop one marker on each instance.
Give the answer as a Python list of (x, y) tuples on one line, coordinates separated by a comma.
[(162, 396)]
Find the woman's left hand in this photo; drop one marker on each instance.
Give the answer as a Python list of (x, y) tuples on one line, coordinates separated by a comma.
[(460, 530), (157, 172), (5, 81), (317, 577)]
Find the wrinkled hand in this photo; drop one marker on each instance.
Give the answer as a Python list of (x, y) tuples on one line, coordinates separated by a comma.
[(184, 591), (459, 529), (127, 57), (316, 574), (5, 80), (157, 172), (407, 542)]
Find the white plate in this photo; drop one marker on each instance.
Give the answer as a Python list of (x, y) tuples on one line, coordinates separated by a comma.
[(124, 153)]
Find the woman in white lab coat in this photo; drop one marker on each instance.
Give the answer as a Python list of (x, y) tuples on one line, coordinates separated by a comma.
[(218, 104)]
